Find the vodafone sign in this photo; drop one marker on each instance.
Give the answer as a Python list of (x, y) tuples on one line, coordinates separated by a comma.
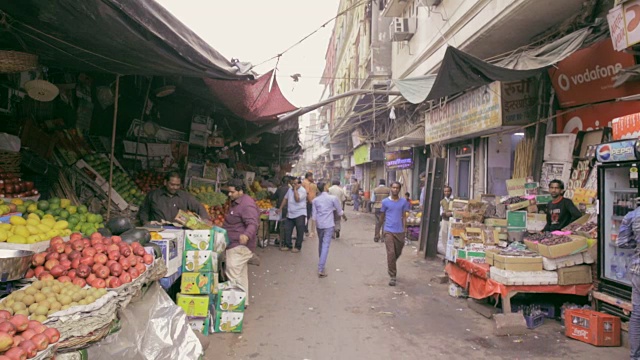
[(594, 117), (587, 75)]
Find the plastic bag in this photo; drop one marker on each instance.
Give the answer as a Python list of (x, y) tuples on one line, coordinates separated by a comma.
[(9, 142), (152, 329)]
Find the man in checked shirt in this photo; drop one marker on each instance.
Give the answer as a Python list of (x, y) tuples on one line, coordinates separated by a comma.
[(628, 238)]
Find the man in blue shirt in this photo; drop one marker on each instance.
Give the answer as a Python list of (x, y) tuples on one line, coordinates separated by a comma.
[(296, 204), (323, 207), (628, 238), (393, 216)]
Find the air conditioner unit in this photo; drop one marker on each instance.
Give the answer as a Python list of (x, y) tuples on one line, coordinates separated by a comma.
[(402, 29)]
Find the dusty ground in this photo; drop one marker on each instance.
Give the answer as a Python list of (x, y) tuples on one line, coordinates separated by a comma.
[(354, 314)]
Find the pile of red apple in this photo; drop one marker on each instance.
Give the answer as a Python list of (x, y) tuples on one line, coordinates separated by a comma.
[(21, 338), (11, 186), (101, 262)]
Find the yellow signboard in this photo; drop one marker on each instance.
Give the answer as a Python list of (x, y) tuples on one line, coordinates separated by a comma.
[(475, 111), (361, 154)]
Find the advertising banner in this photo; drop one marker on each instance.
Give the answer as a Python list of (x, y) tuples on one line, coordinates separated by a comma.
[(361, 155)]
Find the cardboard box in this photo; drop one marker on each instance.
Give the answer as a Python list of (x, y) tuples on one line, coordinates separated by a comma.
[(199, 283), (230, 297), (513, 263), (198, 240), (521, 205), (496, 222), (536, 222), (578, 245), (201, 324), (194, 305), (200, 261), (575, 275), (229, 321), (171, 252)]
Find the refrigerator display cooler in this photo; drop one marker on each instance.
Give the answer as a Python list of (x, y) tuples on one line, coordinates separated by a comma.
[(618, 190)]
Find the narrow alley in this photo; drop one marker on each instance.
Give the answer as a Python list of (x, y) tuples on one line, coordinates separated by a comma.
[(354, 314)]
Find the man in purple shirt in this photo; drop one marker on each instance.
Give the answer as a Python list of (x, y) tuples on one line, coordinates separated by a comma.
[(393, 217), (241, 224)]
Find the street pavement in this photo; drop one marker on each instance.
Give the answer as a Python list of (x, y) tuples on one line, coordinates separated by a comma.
[(354, 314)]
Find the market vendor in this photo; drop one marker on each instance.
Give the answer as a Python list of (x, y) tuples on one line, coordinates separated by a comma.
[(241, 224), (445, 214), (164, 203), (560, 211)]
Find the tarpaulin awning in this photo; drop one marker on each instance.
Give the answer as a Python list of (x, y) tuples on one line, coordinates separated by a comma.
[(461, 71), (114, 36), (252, 100), (414, 138)]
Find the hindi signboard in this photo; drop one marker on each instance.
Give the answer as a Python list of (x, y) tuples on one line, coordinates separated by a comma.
[(474, 111), (399, 160)]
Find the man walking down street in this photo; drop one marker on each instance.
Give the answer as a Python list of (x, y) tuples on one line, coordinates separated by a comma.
[(311, 189), (241, 224), (323, 208), (296, 204), (337, 191), (393, 216), (355, 194), (380, 193)]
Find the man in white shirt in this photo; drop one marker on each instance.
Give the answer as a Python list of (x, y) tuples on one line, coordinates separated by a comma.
[(296, 203), (337, 191), (445, 215)]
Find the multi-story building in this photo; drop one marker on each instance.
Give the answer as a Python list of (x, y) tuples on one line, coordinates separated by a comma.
[(358, 57), (422, 30)]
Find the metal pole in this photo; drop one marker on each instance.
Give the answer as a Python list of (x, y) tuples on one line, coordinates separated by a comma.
[(144, 108), (113, 144)]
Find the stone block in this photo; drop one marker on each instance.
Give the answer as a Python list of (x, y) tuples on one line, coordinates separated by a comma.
[(440, 279), (483, 309), (510, 324)]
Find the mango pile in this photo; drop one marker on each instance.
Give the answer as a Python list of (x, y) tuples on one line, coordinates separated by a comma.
[(33, 229), (78, 218)]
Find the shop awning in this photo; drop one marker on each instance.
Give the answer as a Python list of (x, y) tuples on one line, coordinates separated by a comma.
[(113, 36), (414, 138), (252, 100), (461, 71)]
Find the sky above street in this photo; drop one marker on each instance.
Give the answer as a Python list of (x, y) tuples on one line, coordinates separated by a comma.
[(256, 30)]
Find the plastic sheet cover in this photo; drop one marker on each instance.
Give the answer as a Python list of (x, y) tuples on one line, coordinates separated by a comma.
[(154, 328)]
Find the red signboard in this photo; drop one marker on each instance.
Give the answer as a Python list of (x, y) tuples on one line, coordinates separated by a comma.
[(594, 117), (587, 75)]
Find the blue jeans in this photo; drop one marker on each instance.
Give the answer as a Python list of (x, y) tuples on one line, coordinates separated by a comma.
[(324, 241), (356, 202), (634, 321)]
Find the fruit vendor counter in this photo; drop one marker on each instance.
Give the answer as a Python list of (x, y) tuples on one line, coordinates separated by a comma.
[(475, 279)]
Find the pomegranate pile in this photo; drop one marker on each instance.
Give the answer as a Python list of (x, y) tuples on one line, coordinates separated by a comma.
[(21, 338), (98, 261)]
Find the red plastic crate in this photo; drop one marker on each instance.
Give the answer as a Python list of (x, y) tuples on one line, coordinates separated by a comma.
[(592, 327)]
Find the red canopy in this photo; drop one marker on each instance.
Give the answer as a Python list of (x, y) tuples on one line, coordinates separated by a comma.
[(251, 100)]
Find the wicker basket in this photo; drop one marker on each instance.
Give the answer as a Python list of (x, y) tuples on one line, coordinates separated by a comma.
[(15, 61), (10, 161), (81, 342)]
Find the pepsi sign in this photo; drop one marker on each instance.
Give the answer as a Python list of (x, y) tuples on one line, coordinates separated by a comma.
[(624, 150)]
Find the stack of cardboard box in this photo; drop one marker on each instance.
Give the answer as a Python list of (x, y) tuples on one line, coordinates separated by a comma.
[(199, 284)]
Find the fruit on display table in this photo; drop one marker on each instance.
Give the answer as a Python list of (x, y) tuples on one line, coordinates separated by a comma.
[(217, 213), (78, 218), (21, 338), (101, 262), (44, 298), (148, 180), (33, 229), (122, 183), (208, 196), (12, 186), (264, 204)]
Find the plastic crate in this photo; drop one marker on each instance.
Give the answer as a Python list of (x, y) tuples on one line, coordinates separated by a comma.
[(533, 321), (592, 327)]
